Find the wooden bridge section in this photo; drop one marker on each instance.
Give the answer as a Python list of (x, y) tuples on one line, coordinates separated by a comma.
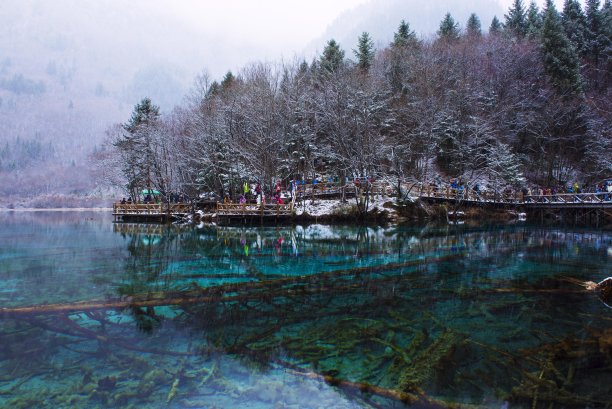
[(151, 212), (228, 212), (594, 208)]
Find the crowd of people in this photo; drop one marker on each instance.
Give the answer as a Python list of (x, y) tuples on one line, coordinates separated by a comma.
[(254, 193)]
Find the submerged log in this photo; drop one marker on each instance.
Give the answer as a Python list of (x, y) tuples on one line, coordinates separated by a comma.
[(603, 288), (227, 292), (420, 400)]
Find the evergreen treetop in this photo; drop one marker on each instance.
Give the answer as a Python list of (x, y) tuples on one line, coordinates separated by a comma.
[(449, 29), (228, 80), (595, 35), (473, 26), (364, 52), (404, 36), (495, 27), (574, 23), (516, 21), (332, 58), (144, 113), (534, 21), (561, 62)]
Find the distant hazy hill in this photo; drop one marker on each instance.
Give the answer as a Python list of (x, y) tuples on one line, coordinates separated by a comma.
[(71, 68), (382, 17)]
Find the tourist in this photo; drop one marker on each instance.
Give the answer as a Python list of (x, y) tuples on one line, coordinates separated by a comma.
[(123, 201), (242, 199), (278, 187)]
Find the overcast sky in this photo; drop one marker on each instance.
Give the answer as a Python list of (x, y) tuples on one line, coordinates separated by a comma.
[(286, 25)]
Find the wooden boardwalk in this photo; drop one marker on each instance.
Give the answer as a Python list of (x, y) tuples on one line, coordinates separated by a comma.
[(590, 208), (153, 212), (559, 200), (227, 212), (336, 190)]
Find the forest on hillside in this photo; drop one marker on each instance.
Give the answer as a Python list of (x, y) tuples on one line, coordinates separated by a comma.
[(525, 102)]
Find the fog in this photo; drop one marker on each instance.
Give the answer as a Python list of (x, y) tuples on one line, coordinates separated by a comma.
[(71, 68)]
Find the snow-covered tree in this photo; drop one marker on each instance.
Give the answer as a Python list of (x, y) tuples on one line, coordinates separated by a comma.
[(135, 146)]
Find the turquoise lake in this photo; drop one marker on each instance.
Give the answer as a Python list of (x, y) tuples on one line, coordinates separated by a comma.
[(96, 314)]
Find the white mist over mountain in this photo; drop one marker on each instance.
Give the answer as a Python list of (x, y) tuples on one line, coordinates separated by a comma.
[(71, 68)]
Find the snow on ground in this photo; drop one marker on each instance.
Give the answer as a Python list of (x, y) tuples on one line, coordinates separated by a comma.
[(324, 207), (321, 207)]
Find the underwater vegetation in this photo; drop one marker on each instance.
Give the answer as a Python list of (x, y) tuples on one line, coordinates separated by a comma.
[(459, 319)]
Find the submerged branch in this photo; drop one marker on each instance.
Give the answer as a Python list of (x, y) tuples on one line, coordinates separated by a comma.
[(211, 294)]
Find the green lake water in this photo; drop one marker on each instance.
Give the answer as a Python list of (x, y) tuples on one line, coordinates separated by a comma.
[(95, 314)]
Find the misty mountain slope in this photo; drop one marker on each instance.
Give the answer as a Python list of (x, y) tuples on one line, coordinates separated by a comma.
[(381, 19), (69, 69)]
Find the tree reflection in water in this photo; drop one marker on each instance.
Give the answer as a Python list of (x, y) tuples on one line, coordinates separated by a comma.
[(387, 316)]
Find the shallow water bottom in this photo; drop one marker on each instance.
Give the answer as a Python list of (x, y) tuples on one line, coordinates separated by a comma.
[(97, 315)]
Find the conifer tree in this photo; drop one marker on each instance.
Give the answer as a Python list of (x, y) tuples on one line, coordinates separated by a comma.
[(473, 27), (228, 81), (495, 27), (332, 57), (595, 37), (534, 21), (213, 90), (404, 36), (364, 52), (561, 62), (404, 41), (135, 146), (574, 24), (516, 21), (449, 29)]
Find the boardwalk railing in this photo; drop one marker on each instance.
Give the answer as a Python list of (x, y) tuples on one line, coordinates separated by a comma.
[(336, 188), (571, 198), (245, 209), (470, 195), (136, 209), (449, 193)]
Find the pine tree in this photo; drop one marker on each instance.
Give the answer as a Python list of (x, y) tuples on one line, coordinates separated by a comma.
[(473, 27), (449, 29), (332, 57), (574, 23), (534, 21), (404, 36), (135, 146), (561, 62), (495, 27), (596, 40), (516, 22), (144, 113), (228, 81), (364, 52)]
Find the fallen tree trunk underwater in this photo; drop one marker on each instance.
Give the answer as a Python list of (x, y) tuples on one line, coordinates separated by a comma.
[(216, 293)]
